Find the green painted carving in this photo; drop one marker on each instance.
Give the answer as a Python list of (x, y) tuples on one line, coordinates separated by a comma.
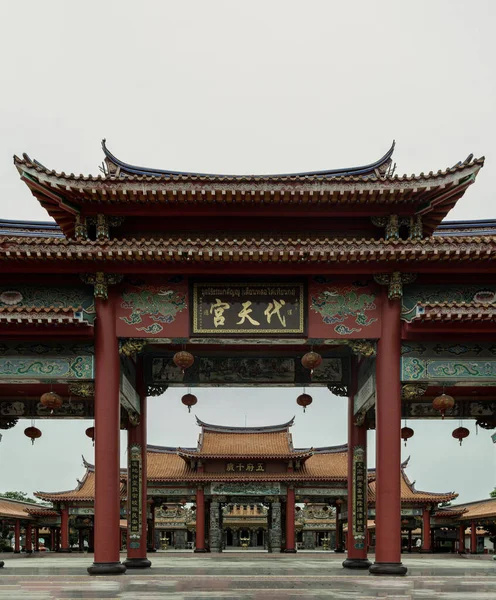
[(42, 368), (160, 304), (424, 369), (79, 298), (245, 488), (414, 295), (337, 304)]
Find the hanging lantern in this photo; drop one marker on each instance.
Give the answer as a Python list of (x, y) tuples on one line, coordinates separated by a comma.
[(443, 403), (33, 433), (460, 433), (304, 400), (183, 359), (90, 432), (311, 360), (406, 433), (189, 400), (51, 400)]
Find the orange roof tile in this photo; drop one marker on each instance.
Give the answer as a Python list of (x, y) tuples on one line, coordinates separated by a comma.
[(14, 509), (410, 494), (481, 509)]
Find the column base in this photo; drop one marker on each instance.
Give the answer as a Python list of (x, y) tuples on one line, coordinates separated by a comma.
[(339, 550), (1, 564), (113, 568), (422, 551), (387, 569), (137, 563), (65, 550), (199, 550), (289, 551), (356, 563), (17, 551)]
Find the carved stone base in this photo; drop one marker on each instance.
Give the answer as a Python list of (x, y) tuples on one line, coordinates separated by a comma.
[(289, 551), (356, 563), (198, 550), (65, 550), (1, 564), (113, 568), (387, 569), (137, 563)]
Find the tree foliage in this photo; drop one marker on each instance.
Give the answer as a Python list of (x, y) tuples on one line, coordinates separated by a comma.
[(22, 496), (493, 493)]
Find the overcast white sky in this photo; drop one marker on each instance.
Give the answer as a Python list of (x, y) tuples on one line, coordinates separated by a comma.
[(245, 87)]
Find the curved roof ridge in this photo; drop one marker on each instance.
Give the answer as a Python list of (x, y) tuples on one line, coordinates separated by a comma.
[(233, 429), (325, 449), (164, 449), (342, 172)]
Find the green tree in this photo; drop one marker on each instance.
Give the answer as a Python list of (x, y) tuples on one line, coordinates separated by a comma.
[(493, 493), (22, 496)]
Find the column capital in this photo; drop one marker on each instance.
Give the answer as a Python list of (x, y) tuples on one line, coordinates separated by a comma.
[(395, 282), (100, 282), (132, 346)]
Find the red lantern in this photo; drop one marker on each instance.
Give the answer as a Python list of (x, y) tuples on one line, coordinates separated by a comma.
[(51, 400), (90, 432), (460, 433), (189, 400), (304, 400), (183, 360), (311, 360), (33, 433), (443, 403), (406, 433)]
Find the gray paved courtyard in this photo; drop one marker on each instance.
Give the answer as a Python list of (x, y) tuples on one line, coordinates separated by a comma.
[(246, 576)]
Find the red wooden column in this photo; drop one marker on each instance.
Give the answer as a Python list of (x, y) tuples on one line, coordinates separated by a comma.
[(357, 439), (461, 539), (136, 549), (388, 442), (473, 538), (64, 530), (339, 531), (290, 520), (107, 422), (36, 539), (200, 520), (426, 531), (81, 540), (29, 538), (17, 537)]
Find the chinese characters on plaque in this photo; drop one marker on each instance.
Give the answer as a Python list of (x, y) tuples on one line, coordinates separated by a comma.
[(359, 497), (135, 508), (258, 308), (239, 467)]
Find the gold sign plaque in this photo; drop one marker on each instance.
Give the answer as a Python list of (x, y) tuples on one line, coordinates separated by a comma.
[(248, 308)]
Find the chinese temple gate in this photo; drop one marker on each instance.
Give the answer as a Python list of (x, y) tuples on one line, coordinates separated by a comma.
[(152, 278)]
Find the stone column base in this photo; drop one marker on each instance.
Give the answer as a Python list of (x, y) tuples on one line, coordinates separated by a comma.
[(137, 563), (289, 551), (113, 568), (66, 550), (1, 564), (387, 569), (356, 563), (200, 550)]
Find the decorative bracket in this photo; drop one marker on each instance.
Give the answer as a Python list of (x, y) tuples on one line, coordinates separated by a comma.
[(413, 391), (392, 224), (395, 282), (100, 282), (364, 347), (82, 389), (156, 390), (132, 346), (338, 389)]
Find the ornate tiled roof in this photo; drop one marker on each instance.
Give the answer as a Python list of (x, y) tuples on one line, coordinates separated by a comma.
[(14, 509), (410, 495), (47, 315), (38, 229), (84, 492), (481, 509), (431, 195), (455, 311), (282, 249), (217, 441), (42, 512)]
